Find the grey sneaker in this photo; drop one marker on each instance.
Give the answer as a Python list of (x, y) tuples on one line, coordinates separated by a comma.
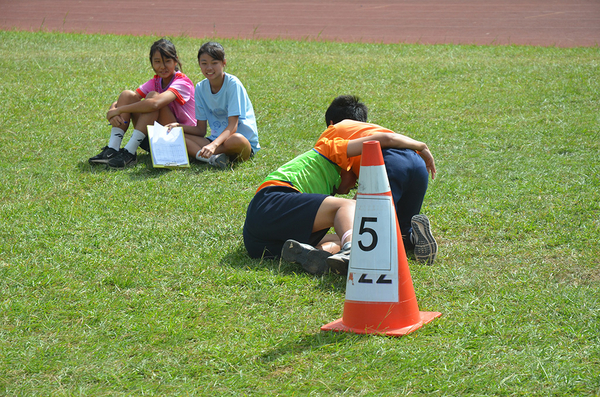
[(123, 159), (313, 260), (219, 160), (425, 245), (338, 263), (104, 156)]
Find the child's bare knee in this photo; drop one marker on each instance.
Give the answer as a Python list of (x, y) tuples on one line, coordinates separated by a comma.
[(128, 94)]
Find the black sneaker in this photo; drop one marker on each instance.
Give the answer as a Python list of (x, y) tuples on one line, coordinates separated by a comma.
[(123, 159), (104, 156), (425, 245), (313, 260), (338, 263), (145, 144)]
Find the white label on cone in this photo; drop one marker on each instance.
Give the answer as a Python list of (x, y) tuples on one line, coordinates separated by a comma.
[(373, 269)]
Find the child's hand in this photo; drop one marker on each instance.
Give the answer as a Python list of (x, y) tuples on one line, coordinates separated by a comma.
[(112, 113), (208, 150), (429, 161), (115, 119), (170, 126)]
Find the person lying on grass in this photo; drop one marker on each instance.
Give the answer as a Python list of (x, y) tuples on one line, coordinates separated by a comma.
[(293, 209), (166, 98), (223, 103), (408, 174)]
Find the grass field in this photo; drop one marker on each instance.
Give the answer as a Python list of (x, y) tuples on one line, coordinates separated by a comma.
[(136, 282)]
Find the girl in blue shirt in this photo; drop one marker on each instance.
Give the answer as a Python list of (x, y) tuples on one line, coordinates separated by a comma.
[(223, 104)]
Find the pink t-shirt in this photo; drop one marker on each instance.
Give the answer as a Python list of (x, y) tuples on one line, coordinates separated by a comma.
[(184, 106)]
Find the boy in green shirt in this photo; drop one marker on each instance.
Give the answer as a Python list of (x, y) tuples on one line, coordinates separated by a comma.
[(294, 208)]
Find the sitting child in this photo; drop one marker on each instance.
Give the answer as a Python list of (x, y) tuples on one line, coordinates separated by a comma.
[(223, 103), (166, 98)]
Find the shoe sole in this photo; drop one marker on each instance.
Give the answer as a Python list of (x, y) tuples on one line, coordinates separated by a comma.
[(425, 247), (102, 161), (338, 265), (313, 260)]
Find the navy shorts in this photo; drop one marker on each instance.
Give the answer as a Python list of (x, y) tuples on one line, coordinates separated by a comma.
[(408, 178), (277, 214)]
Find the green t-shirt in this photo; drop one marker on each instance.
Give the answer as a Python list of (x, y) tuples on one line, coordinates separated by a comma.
[(310, 172)]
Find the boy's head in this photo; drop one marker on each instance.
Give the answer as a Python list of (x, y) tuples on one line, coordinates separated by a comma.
[(215, 50), (346, 107)]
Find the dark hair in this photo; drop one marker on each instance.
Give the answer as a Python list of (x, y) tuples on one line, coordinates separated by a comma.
[(215, 50), (346, 107), (167, 50)]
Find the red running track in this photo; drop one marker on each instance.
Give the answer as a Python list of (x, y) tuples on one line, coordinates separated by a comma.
[(561, 23)]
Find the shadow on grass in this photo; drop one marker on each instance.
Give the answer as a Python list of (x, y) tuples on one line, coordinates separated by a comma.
[(145, 170), (240, 259), (320, 340)]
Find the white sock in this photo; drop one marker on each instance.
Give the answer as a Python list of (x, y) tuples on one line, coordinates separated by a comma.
[(134, 142), (200, 158), (116, 137), (347, 237)]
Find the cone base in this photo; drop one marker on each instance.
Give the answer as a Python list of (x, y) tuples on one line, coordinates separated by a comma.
[(338, 326)]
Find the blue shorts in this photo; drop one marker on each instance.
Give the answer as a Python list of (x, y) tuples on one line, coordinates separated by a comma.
[(277, 214)]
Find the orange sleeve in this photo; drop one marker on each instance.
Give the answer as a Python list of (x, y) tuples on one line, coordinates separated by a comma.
[(335, 150), (333, 142)]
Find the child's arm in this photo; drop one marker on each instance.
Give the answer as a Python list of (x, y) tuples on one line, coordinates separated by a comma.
[(397, 141), (400, 141), (150, 104), (198, 130), (386, 140), (118, 121), (231, 128)]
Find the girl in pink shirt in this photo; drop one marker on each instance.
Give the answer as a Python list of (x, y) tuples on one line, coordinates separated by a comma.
[(166, 98)]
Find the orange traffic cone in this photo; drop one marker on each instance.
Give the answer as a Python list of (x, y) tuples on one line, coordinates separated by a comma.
[(380, 297)]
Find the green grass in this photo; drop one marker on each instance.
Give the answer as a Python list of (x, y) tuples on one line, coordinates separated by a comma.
[(136, 282)]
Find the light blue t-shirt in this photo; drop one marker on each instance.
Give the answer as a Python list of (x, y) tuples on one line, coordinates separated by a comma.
[(231, 100)]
